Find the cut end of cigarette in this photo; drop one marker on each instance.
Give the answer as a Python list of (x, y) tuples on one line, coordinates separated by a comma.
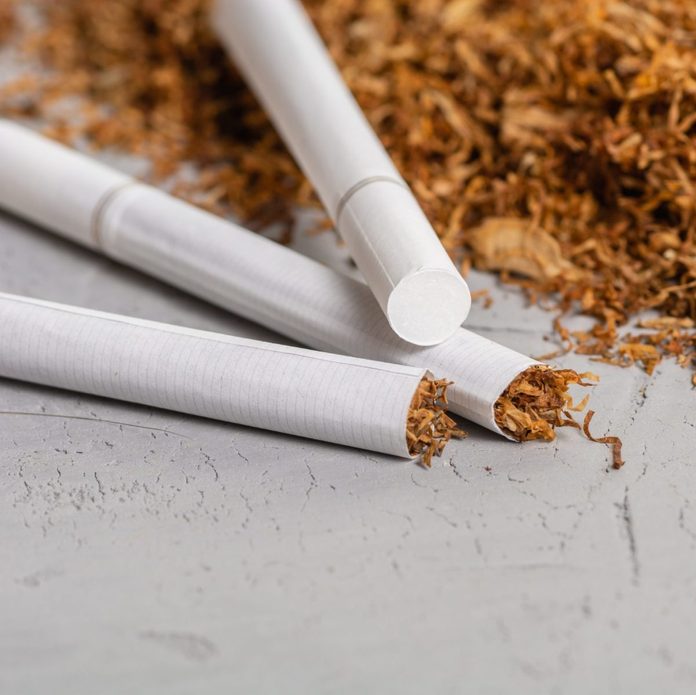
[(537, 402), (426, 308), (429, 428)]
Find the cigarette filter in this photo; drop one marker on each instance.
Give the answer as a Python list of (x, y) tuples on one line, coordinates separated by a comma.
[(345, 400), (277, 49), (238, 270)]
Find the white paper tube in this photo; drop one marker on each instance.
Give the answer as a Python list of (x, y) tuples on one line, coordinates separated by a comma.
[(53, 186), (349, 401), (243, 272), (282, 57)]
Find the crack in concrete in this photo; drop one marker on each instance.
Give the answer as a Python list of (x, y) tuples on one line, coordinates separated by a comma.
[(683, 525), (626, 517), (100, 487), (312, 486), (640, 399), (92, 419), (208, 460), (240, 454), (444, 517), (249, 509), (456, 471)]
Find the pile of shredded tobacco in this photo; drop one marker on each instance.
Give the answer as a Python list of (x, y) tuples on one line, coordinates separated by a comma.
[(551, 142), (537, 402), (6, 18), (429, 428)]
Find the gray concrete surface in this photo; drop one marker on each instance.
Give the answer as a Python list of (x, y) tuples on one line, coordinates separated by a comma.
[(144, 551)]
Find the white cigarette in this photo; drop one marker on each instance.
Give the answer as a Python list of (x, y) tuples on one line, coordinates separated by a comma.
[(279, 52), (344, 400), (238, 270)]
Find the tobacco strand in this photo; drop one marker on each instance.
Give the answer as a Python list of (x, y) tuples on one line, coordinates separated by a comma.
[(429, 428)]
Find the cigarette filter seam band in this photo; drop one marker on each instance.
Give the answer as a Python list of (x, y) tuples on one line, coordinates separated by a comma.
[(282, 57), (146, 229), (338, 399), (361, 184), (103, 205)]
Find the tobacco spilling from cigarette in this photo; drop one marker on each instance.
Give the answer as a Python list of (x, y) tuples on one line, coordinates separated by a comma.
[(537, 402), (429, 427), (6, 19), (382, 407)]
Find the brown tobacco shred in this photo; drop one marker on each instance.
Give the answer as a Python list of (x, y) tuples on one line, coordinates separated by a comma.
[(6, 18), (614, 442), (429, 428), (537, 402), (552, 142)]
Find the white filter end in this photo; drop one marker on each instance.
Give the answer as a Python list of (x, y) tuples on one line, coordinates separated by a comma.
[(427, 307)]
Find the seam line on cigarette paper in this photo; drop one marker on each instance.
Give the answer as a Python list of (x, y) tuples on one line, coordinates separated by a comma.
[(205, 335), (361, 184), (103, 205)]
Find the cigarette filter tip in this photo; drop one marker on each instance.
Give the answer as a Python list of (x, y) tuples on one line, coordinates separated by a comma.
[(427, 307), (282, 57), (422, 294)]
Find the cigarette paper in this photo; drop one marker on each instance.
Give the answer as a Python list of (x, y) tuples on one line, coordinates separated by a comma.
[(349, 401), (279, 52), (238, 270)]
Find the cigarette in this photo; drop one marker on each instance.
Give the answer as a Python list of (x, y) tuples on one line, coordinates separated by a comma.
[(382, 407), (277, 49), (238, 270)]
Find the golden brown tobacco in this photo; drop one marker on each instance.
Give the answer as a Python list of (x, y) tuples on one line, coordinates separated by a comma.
[(6, 18), (553, 142), (537, 402), (614, 442), (429, 428)]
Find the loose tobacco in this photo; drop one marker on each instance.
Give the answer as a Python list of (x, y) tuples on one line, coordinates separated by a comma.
[(7, 17), (537, 402), (429, 428)]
